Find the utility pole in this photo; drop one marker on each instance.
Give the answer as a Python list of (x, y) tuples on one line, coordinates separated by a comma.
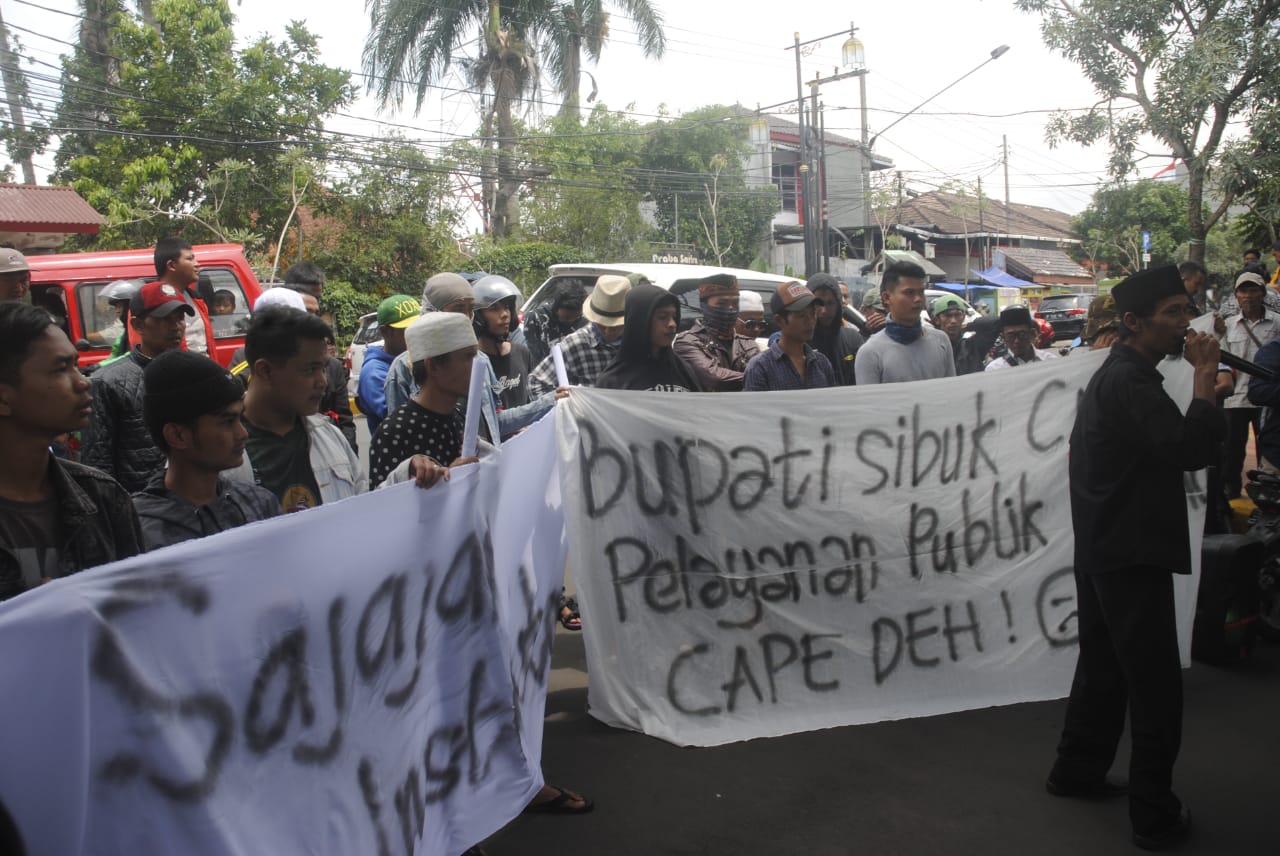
[(897, 220), (676, 196), (811, 212), (802, 170), (816, 120), (868, 242), (982, 230), (1008, 232), (14, 88)]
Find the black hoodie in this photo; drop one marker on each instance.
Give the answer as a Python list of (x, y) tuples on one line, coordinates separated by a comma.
[(635, 366)]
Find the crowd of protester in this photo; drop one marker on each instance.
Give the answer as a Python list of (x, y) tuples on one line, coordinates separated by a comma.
[(176, 447)]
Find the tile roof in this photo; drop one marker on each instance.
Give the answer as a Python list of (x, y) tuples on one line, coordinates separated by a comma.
[(46, 208), (950, 214), (1041, 263)]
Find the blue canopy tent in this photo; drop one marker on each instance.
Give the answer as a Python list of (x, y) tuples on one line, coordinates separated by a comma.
[(995, 276)]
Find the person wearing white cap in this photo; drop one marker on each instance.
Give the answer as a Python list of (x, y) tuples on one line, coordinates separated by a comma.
[(15, 275), (588, 350), (1243, 335), (751, 321), (451, 294), (441, 347)]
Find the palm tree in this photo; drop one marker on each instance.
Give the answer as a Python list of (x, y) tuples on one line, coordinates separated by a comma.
[(585, 29), (411, 44)]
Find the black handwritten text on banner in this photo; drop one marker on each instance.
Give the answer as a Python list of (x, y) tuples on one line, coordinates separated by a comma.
[(764, 563), (368, 677)]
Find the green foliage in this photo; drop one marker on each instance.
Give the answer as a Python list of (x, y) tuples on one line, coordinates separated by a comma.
[(191, 136), (388, 225), (525, 264), (411, 45), (587, 197), (346, 304), (1179, 72), (1112, 226), (700, 158), (26, 138)]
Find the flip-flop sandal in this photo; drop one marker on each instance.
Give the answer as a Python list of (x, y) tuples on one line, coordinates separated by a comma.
[(570, 619), (560, 804)]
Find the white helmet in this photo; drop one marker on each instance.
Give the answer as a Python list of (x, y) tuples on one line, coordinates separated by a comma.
[(121, 291)]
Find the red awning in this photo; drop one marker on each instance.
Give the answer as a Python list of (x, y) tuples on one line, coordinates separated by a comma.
[(42, 208)]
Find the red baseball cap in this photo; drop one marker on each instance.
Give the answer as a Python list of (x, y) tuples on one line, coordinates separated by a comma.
[(158, 299)]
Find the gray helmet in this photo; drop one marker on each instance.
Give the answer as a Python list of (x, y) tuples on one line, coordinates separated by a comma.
[(495, 289), (122, 290), (492, 289)]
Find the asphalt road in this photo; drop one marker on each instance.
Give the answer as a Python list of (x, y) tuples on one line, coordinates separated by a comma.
[(958, 785)]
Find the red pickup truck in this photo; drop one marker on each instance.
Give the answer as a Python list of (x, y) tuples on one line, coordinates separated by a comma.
[(70, 287)]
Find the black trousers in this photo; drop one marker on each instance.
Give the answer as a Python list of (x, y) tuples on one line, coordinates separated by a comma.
[(1238, 421), (1128, 658)]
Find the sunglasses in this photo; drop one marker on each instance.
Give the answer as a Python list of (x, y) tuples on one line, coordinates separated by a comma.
[(753, 325)]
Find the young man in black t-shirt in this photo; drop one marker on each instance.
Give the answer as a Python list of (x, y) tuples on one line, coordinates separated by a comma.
[(56, 517), (441, 348)]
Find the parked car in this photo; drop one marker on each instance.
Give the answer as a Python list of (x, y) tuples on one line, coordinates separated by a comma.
[(366, 334), (70, 286), (1068, 314), (680, 280)]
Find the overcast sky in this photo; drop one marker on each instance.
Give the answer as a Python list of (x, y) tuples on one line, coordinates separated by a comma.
[(726, 52)]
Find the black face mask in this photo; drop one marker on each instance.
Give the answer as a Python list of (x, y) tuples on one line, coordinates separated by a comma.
[(718, 320)]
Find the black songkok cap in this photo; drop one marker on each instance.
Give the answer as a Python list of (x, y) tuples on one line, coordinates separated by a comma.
[(179, 386), (1016, 315), (1141, 292)]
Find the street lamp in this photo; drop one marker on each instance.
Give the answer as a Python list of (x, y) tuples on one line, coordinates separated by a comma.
[(853, 57), (995, 55)]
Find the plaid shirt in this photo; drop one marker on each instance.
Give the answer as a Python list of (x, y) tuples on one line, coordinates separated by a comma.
[(542, 329), (773, 370), (585, 356)]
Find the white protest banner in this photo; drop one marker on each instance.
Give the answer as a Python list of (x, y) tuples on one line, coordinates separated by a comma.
[(758, 564), (362, 678)]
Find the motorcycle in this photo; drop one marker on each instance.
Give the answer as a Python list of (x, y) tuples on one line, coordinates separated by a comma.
[(1264, 525)]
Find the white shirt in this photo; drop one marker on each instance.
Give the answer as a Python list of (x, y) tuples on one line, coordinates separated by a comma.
[(1238, 339), (1010, 360)]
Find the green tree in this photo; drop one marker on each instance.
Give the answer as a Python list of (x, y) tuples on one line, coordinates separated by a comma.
[(587, 196), (411, 45), (1180, 72), (1112, 226), (584, 30), (388, 225), (22, 138), (700, 159), (193, 136), (525, 264)]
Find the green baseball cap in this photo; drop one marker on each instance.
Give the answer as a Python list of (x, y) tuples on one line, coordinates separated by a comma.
[(945, 303), (398, 311)]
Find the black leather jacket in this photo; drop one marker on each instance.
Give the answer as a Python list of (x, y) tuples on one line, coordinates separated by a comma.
[(96, 524), (117, 441)]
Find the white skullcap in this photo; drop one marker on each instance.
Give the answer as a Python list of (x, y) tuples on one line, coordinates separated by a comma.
[(750, 301), (279, 296), (438, 333)]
